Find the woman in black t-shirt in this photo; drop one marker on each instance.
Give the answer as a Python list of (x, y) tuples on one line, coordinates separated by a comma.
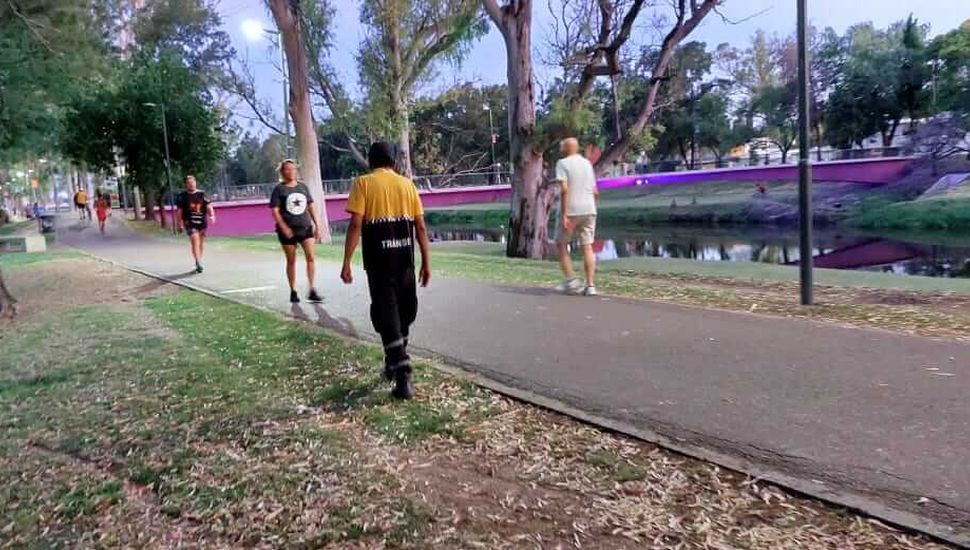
[(297, 223)]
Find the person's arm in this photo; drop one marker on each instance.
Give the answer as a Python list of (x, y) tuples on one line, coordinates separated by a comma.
[(211, 211), (285, 229), (422, 230), (563, 195), (315, 219), (566, 224), (353, 237), (179, 222)]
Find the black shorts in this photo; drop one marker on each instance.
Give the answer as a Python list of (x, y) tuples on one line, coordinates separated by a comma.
[(300, 234), (192, 229)]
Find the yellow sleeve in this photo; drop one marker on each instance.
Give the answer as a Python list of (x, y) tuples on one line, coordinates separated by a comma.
[(417, 209), (355, 202)]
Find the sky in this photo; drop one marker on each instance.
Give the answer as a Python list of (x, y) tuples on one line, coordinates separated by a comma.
[(486, 62)]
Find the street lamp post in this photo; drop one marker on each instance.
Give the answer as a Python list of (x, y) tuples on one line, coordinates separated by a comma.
[(805, 247), (168, 164), (491, 132)]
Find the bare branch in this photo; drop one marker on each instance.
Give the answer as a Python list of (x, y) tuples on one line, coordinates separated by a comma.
[(242, 85)]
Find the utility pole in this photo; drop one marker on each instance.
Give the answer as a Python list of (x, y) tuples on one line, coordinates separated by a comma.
[(805, 245), (491, 133), (168, 165)]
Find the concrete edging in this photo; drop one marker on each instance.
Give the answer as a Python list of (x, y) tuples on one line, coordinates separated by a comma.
[(854, 502)]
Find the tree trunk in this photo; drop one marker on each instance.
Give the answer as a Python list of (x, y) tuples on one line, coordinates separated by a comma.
[(162, 213), (149, 206), (404, 146), (8, 305), (531, 202), (136, 201), (307, 148)]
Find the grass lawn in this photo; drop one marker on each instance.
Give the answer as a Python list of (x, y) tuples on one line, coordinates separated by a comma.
[(133, 414), (15, 227)]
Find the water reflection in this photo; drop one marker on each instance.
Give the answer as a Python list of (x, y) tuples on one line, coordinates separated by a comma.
[(834, 249)]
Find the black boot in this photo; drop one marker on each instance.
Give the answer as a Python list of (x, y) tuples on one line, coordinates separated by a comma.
[(403, 388)]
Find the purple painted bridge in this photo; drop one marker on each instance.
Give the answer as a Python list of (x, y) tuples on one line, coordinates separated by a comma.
[(252, 217)]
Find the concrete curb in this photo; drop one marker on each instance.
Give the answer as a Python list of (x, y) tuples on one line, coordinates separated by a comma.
[(854, 502)]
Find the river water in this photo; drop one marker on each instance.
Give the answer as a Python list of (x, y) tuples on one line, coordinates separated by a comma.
[(933, 255)]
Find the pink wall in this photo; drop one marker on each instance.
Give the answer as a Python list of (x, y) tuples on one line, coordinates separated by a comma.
[(253, 216)]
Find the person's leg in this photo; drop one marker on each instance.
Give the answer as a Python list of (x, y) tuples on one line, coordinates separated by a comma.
[(309, 254), (194, 237), (201, 244), (586, 232), (386, 320), (407, 299), (569, 284), (289, 250), (589, 264)]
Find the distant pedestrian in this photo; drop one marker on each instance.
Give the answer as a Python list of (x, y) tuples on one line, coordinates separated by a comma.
[(81, 203), (297, 223), (102, 207), (192, 208), (577, 179), (386, 212)]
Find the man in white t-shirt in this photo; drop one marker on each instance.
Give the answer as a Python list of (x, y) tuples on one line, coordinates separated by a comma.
[(579, 196)]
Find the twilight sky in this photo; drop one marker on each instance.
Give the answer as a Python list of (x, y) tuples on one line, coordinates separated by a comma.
[(486, 63)]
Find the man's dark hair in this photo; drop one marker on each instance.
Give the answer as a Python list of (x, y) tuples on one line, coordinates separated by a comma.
[(381, 155)]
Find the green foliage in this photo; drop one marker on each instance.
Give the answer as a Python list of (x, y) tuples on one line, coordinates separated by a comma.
[(118, 117), (189, 29), (883, 76), (950, 55), (47, 47), (405, 40), (778, 109), (254, 161), (451, 131)]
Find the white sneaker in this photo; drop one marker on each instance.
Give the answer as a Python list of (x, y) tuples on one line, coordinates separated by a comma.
[(569, 286), (590, 291)]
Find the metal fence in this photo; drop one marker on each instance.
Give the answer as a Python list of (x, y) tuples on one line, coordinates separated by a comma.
[(772, 159), (474, 179), (342, 186)]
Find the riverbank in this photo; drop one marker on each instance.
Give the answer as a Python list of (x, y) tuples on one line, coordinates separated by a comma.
[(711, 203), (157, 417)]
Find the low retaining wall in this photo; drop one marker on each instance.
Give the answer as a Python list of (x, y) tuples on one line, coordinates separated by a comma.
[(253, 217)]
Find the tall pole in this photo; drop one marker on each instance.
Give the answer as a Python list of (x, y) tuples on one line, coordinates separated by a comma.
[(805, 247), (491, 134), (286, 96), (168, 170)]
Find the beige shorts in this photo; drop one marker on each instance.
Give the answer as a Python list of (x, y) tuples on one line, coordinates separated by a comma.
[(584, 230)]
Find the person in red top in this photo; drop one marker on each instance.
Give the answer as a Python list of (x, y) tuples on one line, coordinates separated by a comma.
[(103, 207)]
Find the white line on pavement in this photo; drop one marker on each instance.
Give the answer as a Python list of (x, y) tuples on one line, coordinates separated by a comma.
[(250, 289)]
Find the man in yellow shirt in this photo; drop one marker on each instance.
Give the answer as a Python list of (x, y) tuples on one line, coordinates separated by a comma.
[(386, 212)]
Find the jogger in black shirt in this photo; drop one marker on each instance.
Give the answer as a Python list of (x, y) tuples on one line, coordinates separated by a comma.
[(386, 211), (194, 214)]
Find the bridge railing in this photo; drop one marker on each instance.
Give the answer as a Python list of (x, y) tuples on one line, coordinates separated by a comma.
[(760, 159), (342, 186)]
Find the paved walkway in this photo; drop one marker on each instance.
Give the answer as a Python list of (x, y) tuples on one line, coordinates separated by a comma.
[(836, 411)]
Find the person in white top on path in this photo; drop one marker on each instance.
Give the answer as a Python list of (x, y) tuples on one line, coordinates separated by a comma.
[(579, 197)]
